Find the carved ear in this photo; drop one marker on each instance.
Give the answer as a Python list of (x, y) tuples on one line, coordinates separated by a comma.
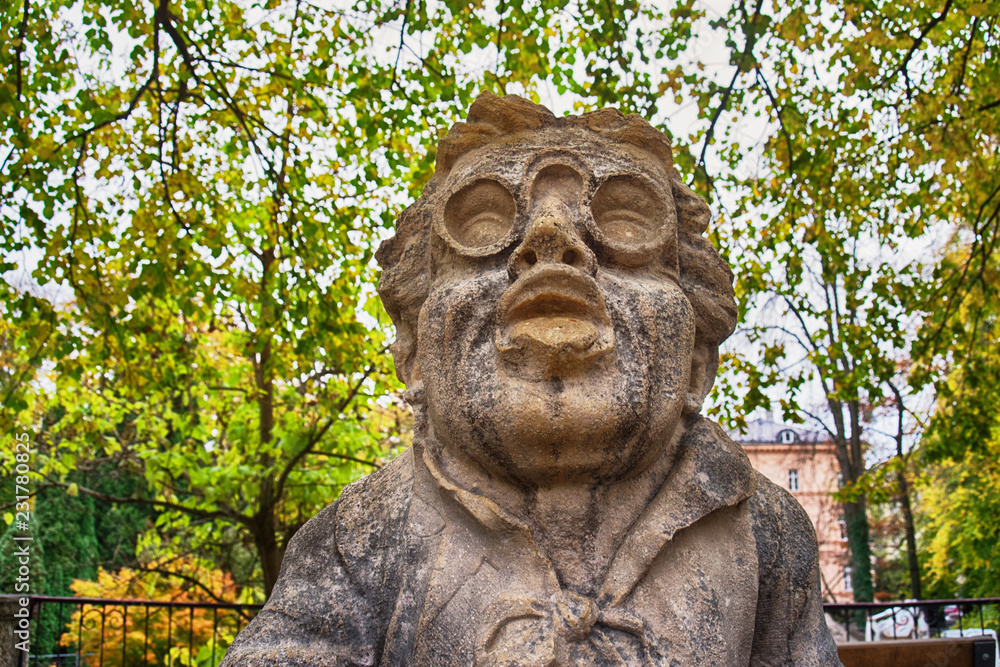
[(417, 398), (704, 365)]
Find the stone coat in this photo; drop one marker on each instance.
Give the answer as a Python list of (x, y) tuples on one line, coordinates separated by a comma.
[(409, 569)]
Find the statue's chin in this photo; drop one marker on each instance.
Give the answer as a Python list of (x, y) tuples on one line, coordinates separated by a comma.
[(575, 429), (546, 348)]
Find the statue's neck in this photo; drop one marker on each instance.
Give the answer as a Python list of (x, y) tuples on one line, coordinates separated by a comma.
[(578, 525)]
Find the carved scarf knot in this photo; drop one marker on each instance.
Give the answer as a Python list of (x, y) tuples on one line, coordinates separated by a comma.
[(565, 629)]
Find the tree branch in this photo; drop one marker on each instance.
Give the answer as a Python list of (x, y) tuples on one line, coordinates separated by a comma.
[(954, 301), (185, 577), (279, 488), (121, 115), (747, 52), (781, 120), (500, 11), (904, 66), (991, 105), (959, 83), (821, 423), (399, 49), (22, 34), (162, 504), (802, 323), (345, 457), (788, 332), (163, 17)]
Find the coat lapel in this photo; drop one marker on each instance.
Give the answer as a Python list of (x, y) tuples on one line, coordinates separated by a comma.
[(711, 472)]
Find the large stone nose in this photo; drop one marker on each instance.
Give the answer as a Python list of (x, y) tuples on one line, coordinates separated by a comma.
[(552, 238)]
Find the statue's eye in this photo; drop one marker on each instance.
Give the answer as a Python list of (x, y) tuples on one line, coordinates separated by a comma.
[(627, 211), (480, 214)]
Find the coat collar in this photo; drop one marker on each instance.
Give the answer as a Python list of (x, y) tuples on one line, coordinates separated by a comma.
[(710, 472)]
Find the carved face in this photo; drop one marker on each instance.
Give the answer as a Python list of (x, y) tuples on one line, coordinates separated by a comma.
[(555, 344)]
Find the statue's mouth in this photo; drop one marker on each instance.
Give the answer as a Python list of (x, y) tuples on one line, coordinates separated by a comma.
[(553, 322)]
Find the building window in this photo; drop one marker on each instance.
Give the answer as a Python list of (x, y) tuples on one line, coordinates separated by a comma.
[(848, 584), (843, 530), (793, 480), (787, 437)]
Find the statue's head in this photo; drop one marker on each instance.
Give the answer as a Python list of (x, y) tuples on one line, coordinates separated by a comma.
[(557, 308)]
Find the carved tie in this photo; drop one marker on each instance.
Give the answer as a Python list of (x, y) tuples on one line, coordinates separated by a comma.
[(567, 629)]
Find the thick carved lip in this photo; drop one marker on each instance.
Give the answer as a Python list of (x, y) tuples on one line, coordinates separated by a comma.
[(553, 291), (553, 323)]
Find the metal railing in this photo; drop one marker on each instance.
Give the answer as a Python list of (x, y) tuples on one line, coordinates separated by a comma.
[(98, 632), (916, 619)]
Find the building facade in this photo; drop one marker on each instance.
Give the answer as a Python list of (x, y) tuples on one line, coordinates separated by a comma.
[(805, 463)]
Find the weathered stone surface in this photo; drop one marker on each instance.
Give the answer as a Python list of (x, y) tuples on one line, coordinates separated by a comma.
[(9, 654), (559, 314)]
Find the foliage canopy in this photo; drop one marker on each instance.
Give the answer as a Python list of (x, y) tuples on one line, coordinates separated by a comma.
[(203, 183)]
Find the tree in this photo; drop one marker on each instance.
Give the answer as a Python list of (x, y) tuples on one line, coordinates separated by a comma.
[(207, 179), (201, 207), (75, 535), (207, 182), (883, 129), (960, 508), (961, 449), (901, 462)]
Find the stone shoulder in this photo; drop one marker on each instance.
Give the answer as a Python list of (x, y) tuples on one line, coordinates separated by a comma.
[(371, 513), (785, 534), (373, 504), (338, 581), (790, 629)]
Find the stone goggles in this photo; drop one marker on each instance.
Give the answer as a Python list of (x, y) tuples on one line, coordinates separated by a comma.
[(629, 216)]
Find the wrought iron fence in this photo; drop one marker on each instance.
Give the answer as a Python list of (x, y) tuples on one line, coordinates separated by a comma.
[(97, 632), (917, 619)]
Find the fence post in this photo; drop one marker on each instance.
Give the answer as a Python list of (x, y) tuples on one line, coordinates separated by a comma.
[(9, 604)]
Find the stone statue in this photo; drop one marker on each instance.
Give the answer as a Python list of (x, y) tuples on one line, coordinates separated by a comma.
[(558, 317)]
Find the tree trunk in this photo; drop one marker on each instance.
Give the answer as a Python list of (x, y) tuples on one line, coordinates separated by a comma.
[(904, 501), (265, 521), (850, 456), (856, 517), (911, 535), (265, 538)]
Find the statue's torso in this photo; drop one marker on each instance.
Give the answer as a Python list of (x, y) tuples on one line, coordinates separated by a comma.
[(406, 571)]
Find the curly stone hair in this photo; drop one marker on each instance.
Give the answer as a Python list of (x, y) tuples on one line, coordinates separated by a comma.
[(705, 277)]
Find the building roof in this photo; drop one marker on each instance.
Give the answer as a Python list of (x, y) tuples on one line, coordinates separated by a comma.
[(766, 431)]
